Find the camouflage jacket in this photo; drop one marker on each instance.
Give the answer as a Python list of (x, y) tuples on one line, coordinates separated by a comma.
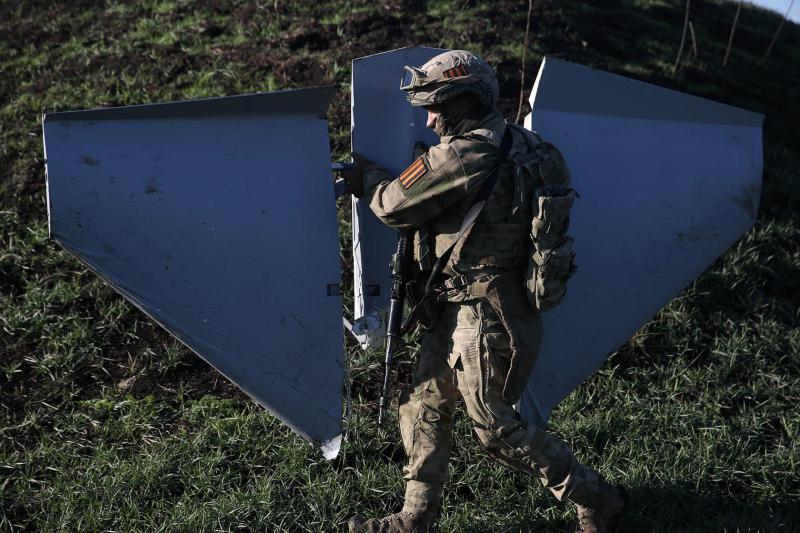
[(435, 192)]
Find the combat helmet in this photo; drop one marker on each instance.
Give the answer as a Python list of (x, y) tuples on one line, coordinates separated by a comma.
[(448, 75)]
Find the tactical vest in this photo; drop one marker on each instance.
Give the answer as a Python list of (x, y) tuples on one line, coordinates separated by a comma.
[(522, 226), (498, 238)]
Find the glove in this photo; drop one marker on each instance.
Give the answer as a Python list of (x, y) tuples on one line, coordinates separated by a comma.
[(355, 176)]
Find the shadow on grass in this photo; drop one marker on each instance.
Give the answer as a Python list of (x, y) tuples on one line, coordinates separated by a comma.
[(678, 509)]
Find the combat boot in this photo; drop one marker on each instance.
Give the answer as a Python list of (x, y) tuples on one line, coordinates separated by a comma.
[(402, 522), (604, 513), (419, 513)]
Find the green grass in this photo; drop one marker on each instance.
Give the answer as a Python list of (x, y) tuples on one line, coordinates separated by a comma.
[(107, 423)]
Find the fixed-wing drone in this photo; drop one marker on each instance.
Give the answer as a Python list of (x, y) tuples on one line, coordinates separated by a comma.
[(217, 218)]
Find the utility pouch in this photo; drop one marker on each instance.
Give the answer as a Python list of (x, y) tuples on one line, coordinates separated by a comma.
[(551, 261), (542, 195)]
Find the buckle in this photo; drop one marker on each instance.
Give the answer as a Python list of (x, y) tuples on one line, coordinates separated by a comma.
[(456, 282)]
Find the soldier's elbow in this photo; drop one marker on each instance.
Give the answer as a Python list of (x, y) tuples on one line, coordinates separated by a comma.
[(394, 220), (390, 213)]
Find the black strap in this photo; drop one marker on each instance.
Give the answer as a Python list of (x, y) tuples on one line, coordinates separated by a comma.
[(469, 220)]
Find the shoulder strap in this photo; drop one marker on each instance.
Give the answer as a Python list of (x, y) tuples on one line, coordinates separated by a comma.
[(469, 220), (532, 139)]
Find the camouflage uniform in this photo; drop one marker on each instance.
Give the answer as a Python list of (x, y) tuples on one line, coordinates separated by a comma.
[(467, 353), (485, 342)]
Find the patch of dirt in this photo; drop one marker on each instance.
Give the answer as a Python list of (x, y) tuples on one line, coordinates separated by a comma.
[(301, 71)]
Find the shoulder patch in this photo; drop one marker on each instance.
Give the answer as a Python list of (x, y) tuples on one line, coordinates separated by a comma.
[(413, 173)]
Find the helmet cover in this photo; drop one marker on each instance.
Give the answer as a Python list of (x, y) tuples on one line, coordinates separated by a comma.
[(448, 75)]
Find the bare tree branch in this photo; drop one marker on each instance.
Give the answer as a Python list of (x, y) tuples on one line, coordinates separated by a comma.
[(524, 51), (694, 40), (775, 37), (683, 37), (733, 31)]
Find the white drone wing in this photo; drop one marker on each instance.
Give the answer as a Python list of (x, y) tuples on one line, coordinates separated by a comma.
[(667, 182), (384, 129), (193, 211)]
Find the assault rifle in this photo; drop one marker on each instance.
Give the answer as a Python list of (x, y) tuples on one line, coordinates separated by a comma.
[(401, 265), (401, 273)]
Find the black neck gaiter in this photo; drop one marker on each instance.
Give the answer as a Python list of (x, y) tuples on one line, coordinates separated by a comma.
[(460, 116)]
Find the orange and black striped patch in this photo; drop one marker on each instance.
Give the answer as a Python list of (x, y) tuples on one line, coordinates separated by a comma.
[(410, 175), (454, 72)]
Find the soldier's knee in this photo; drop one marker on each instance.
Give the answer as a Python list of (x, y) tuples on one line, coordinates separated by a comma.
[(500, 450), (492, 442)]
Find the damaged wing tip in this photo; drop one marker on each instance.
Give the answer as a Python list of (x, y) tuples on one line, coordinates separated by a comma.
[(330, 448)]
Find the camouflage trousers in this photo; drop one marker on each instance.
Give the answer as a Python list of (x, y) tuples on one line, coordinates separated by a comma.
[(466, 355)]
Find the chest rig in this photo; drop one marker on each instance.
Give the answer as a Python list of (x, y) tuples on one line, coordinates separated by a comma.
[(520, 231), (496, 240)]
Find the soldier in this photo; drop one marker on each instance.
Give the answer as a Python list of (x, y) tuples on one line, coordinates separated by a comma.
[(483, 340)]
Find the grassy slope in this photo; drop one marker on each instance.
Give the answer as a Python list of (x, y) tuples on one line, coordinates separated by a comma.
[(107, 423)]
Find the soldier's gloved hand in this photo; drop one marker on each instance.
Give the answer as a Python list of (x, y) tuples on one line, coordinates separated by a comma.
[(355, 176)]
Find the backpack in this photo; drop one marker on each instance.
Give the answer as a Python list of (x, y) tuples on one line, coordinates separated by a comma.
[(551, 258)]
